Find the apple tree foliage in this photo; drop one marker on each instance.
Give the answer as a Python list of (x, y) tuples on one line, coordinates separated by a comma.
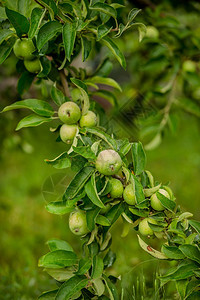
[(60, 31)]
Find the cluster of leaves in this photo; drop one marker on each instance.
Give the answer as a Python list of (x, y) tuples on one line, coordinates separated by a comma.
[(163, 69)]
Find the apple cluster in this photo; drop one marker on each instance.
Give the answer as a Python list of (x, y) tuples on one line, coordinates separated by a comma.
[(24, 49), (70, 114)]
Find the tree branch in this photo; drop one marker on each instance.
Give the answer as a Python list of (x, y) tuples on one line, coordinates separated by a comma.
[(64, 83)]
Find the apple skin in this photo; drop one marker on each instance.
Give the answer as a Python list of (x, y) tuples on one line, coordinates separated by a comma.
[(108, 162), (152, 32), (189, 66), (144, 227), (68, 132), (78, 223), (69, 113), (117, 188), (23, 49), (33, 66), (88, 120), (129, 195), (155, 202)]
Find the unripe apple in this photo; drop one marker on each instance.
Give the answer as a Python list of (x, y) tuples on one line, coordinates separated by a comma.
[(24, 48), (69, 113), (33, 66), (129, 195), (152, 32), (155, 202), (189, 66), (117, 188), (78, 223), (75, 94), (144, 227), (108, 162), (68, 132), (88, 120)]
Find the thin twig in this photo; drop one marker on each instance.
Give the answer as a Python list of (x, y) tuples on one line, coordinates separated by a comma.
[(64, 83)]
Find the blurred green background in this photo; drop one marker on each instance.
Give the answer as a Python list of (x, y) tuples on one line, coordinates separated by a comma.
[(25, 225)]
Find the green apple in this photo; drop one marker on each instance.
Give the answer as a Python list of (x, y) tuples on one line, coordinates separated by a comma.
[(69, 113), (24, 48), (78, 223), (155, 202), (144, 227), (33, 66), (88, 120), (189, 66), (76, 94), (68, 132), (152, 32), (129, 195), (117, 188), (108, 162)]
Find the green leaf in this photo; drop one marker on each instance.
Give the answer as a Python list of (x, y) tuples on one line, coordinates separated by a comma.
[(99, 286), (25, 81), (36, 18), (105, 8), (172, 252), (191, 251), (115, 50), (51, 6), (167, 203), (108, 95), (2, 14), (32, 121), (133, 13), (102, 31), (138, 188), (83, 89), (5, 49), (57, 96), (71, 287), (189, 105), (59, 208), (195, 225), (86, 48), (92, 193), (104, 136), (56, 244), (141, 29), (84, 266), (97, 267), (47, 32), (60, 162), (139, 158), (4, 34), (102, 220), (149, 192), (50, 295), (104, 80), (85, 151), (115, 212), (91, 217), (109, 259), (40, 107), (69, 36), (150, 250), (61, 274), (19, 22), (78, 182), (111, 288), (58, 259)]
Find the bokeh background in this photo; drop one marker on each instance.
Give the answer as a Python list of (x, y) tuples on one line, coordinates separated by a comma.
[(27, 183)]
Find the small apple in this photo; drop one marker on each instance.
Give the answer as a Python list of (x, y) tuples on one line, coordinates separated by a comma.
[(88, 120), (129, 195), (33, 66), (155, 202), (69, 113), (117, 188), (24, 48), (144, 227), (78, 223), (108, 162), (68, 132)]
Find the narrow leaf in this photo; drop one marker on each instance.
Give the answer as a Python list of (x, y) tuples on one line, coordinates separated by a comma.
[(36, 18), (83, 89), (60, 162), (19, 22), (47, 32), (56, 244), (115, 50), (32, 121), (69, 36), (71, 287), (58, 259), (92, 193)]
